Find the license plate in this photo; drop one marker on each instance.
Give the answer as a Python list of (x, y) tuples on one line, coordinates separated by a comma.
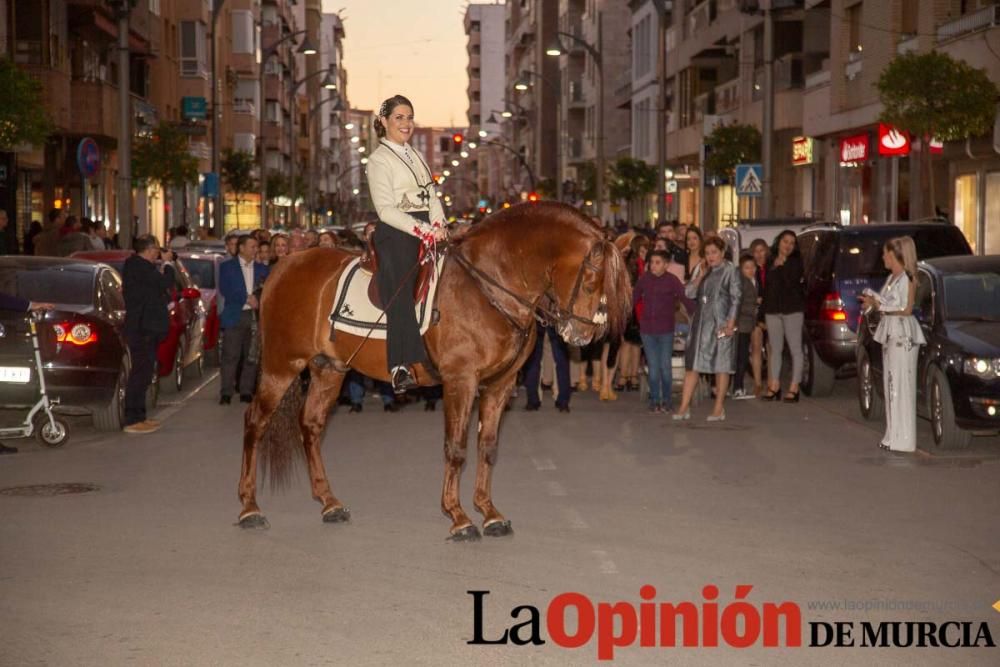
[(15, 374)]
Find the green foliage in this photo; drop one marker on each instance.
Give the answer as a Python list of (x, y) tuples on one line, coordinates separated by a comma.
[(586, 173), (934, 95), (731, 145), (22, 115), (237, 171), (279, 185), (163, 158), (546, 188), (631, 179)]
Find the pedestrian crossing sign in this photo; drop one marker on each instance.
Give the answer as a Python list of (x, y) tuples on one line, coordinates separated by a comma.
[(749, 180)]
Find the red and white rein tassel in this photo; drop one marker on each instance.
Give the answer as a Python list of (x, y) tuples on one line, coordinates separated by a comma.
[(425, 232)]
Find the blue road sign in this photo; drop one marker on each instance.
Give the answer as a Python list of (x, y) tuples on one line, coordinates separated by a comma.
[(88, 157), (749, 180)]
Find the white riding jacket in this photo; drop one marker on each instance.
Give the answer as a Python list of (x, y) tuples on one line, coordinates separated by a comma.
[(400, 187)]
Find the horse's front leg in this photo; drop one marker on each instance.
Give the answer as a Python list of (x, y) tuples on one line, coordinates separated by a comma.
[(492, 402), (458, 397)]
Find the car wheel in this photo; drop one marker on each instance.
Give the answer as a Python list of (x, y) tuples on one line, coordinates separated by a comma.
[(947, 435), (870, 402), (179, 366), (817, 377), (53, 433), (112, 417), (153, 391)]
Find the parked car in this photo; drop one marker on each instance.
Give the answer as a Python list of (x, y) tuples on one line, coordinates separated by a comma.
[(203, 267), (958, 372), (738, 237), (840, 262), (81, 342), (182, 346)]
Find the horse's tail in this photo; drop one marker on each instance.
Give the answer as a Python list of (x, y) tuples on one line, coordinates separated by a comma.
[(281, 441)]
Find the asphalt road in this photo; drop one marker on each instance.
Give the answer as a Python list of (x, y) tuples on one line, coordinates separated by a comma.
[(795, 500)]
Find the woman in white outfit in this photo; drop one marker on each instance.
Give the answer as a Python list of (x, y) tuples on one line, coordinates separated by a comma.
[(900, 337)]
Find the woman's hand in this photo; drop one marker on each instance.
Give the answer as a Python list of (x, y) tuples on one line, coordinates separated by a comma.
[(869, 302), (440, 234), (730, 328)]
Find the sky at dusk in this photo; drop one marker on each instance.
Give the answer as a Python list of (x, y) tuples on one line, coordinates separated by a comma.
[(412, 47)]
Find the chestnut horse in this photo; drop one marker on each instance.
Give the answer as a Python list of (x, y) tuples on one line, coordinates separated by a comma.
[(544, 261)]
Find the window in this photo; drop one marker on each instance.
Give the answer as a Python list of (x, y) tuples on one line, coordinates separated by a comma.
[(854, 30), (923, 300), (111, 291), (991, 240), (192, 49), (243, 31), (154, 7), (967, 207)]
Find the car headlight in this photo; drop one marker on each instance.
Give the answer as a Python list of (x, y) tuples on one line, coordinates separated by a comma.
[(982, 367)]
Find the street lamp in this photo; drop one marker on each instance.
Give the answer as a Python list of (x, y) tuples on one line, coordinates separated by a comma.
[(556, 49), (305, 48)]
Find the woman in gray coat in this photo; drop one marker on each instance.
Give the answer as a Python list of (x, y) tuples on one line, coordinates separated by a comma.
[(711, 344)]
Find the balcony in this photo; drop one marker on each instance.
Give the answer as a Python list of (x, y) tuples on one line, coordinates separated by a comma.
[(907, 44), (987, 17), (853, 68), (817, 79), (55, 87), (275, 137), (95, 109), (727, 96), (699, 18), (574, 95), (243, 106)]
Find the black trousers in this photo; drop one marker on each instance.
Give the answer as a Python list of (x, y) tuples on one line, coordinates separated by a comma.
[(742, 359), (397, 276), (236, 342), (142, 349)]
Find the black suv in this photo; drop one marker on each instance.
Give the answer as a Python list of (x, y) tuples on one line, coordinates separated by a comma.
[(840, 263)]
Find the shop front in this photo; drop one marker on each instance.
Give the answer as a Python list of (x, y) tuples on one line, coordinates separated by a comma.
[(976, 204)]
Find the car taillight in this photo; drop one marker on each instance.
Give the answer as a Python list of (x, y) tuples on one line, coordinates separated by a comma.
[(75, 333), (833, 308)]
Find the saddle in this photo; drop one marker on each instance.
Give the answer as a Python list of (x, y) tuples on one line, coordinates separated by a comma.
[(369, 262)]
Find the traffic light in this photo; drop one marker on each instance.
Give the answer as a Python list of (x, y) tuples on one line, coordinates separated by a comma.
[(458, 139)]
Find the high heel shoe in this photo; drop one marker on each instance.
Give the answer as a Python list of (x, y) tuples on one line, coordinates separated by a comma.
[(608, 395), (771, 395), (793, 398), (716, 418), (681, 416)]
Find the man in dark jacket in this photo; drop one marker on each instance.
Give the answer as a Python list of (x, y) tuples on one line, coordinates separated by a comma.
[(147, 321), (46, 242)]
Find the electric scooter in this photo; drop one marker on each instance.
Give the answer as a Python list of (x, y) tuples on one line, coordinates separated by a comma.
[(41, 422)]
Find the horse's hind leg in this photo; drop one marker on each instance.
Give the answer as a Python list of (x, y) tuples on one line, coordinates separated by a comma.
[(492, 401), (269, 394), (324, 388)]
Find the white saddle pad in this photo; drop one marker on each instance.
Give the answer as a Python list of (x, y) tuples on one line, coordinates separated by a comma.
[(354, 313)]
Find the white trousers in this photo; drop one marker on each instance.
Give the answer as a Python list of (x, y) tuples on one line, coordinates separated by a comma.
[(899, 378)]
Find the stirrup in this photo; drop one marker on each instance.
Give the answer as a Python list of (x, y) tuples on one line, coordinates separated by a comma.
[(402, 379)]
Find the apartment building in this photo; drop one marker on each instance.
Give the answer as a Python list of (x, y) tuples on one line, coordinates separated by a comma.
[(68, 46), (354, 199), (333, 150), (604, 25), (531, 131), (856, 181), (485, 49)]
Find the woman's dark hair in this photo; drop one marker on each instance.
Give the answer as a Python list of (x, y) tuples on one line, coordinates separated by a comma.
[(777, 243), (387, 108), (712, 239), (701, 240)]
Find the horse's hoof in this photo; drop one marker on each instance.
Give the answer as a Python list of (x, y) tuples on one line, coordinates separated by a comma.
[(254, 521), (468, 534), (337, 515), (498, 529)]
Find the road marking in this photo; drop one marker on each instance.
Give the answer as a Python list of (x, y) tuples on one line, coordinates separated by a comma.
[(543, 464), (607, 565), (175, 406), (555, 489)]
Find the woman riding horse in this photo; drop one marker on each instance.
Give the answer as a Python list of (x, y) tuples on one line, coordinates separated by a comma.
[(535, 261), (402, 191)]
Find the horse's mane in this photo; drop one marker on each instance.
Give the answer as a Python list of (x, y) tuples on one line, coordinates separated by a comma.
[(529, 217)]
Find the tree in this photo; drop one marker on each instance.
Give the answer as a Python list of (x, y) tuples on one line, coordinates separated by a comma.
[(163, 158), (932, 95), (237, 171), (586, 174), (731, 145), (629, 181), (22, 115)]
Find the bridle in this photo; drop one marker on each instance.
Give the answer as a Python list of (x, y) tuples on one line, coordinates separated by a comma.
[(545, 309)]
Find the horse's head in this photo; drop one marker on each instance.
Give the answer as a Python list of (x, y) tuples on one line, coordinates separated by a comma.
[(590, 294)]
